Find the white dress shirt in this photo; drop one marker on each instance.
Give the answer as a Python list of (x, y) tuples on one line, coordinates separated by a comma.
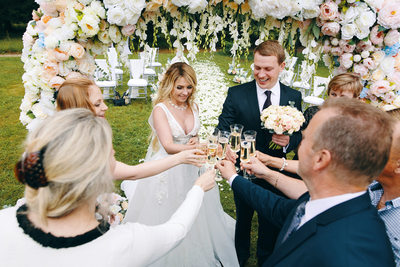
[(318, 206), (275, 95)]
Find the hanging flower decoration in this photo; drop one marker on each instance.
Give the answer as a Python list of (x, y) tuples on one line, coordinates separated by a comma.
[(65, 36)]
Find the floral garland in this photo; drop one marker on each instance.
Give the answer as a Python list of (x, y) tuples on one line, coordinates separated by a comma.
[(65, 36)]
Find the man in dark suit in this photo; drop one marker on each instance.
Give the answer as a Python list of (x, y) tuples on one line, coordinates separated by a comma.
[(334, 224), (243, 105)]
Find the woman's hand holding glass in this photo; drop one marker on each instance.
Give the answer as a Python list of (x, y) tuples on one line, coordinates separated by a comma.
[(194, 157)]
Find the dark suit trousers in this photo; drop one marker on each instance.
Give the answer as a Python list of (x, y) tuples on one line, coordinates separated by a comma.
[(267, 232)]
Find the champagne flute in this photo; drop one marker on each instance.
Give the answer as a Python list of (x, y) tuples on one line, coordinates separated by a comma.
[(250, 136), (213, 138), (245, 147), (235, 137), (202, 145), (223, 140)]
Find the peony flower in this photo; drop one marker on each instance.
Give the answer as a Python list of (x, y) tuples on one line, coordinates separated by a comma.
[(392, 37), (49, 9), (89, 25), (330, 28), (377, 75), (86, 64), (50, 69), (380, 87), (115, 15), (346, 60), (60, 55), (329, 10), (336, 51), (387, 65), (375, 4), (76, 50), (98, 9), (378, 57), (128, 30), (197, 6), (366, 20), (115, 34), (348, 31), (349, 16), (346, 47), (376, 36), (369, 63), (56, 82), (360, 69), (389, 15)]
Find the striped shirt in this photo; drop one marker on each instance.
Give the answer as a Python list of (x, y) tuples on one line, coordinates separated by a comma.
[(390, 215)]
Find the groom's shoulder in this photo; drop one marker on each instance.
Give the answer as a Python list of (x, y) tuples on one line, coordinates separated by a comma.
[(242, 87), (290, 90)]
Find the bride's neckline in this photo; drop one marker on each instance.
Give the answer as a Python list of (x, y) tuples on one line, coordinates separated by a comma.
[(180, 126)]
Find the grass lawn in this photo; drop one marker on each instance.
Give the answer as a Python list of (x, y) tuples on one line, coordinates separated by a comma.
[(129, 124)]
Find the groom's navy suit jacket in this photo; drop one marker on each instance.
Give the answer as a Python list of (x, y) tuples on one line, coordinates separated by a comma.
[(348, 234), (241, 106)]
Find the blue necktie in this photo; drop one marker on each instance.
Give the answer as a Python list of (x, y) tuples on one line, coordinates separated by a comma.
[(267, 102), (300, 210)]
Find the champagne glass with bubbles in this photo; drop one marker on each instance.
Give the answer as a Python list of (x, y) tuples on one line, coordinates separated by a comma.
[(235, 137), (223, 140), (245, 147), (250, 136)]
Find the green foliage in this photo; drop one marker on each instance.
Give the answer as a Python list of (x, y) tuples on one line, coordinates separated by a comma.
[(15, 12)]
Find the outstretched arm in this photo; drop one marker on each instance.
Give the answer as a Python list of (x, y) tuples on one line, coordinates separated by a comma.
[(150, 168), (278, 163)]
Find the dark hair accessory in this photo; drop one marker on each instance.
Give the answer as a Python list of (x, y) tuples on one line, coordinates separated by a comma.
[(30, 170)]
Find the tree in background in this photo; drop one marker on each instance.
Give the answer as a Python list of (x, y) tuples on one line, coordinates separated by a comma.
[(15, 12)]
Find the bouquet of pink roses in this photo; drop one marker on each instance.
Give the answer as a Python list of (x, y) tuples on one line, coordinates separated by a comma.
[(281, 120)]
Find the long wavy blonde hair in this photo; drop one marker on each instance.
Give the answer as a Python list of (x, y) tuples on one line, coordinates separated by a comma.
[(173, 73)]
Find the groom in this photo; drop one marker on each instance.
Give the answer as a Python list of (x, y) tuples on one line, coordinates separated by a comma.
[(243, 105)]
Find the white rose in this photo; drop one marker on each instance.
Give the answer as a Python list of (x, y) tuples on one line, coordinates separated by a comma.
[(348, 17), (375, 4), (366, 19), (311, 13), (109, 3), (115, 34), (348, 31), (51, 41), (180, 3), (197, 6), (104, 37), (37, 110), (98, 9), (378, 75), (364, 54), (115, 15), (135, 6), (85, 2), (356, 58), (89, 25)]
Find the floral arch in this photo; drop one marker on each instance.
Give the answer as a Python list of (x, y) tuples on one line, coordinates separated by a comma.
[(65, 36)]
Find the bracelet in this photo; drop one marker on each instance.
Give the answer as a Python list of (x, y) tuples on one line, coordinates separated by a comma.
[(276, 182), (283, 165)]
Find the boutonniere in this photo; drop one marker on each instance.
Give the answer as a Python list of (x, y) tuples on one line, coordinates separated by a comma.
[(291, 103)]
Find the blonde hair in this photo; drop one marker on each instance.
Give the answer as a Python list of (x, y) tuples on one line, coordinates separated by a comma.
[(76, 162), (346, 82), (395, 113), (173, 73), (74, 93)]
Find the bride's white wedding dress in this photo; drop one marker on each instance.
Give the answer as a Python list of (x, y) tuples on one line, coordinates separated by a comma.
[(153, 200)]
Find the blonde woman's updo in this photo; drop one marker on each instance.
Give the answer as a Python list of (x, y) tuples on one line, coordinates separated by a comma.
[(76, 162)]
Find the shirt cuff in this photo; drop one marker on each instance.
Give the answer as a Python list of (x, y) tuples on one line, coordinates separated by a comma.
[(230, 180)]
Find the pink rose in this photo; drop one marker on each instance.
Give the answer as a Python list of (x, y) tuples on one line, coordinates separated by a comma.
[(389, 97), (369, 63), (330, 28), (76, 50), (346, 47), (56, 82), (50, 69), (60, 55), (128, 30), (376, 36), (336, 51), (360, 69), (365, 46), (329, 11), (380, 87), (49, 9), (389, 15), (346, 60), (392, 37)]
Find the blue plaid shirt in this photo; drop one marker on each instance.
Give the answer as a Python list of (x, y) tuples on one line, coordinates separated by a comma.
[(390, 214)]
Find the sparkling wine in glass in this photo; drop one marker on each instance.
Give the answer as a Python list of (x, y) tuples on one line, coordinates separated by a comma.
[(235, 137), (245, 147), (204, 148), (212, 153), (250, 136)]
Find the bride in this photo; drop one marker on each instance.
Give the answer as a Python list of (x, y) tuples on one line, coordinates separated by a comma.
[(175, 123)]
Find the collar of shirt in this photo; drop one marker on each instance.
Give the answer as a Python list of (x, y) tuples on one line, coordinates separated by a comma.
[(275, 95), (318, 206), (375, 191)]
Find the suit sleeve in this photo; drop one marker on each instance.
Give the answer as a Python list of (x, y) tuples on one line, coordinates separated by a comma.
[(228, 113), (295, 139), (268, 205)]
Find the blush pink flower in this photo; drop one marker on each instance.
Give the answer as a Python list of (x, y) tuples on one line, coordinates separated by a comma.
[(392, 37), (360, 69), (49, 9), (379, 88), (369, 63), (330, 28), (128, 30), (76, 50), (376, 36), (56, 82), (389, 15), (346, 47), (50, 69), (329, 11), (395, 78), (336, 51), (346, 60), (60, 55), (365, 46)]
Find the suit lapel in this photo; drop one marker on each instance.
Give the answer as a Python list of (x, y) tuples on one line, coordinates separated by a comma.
[(309, 228), (284, 98), (252, 101)]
